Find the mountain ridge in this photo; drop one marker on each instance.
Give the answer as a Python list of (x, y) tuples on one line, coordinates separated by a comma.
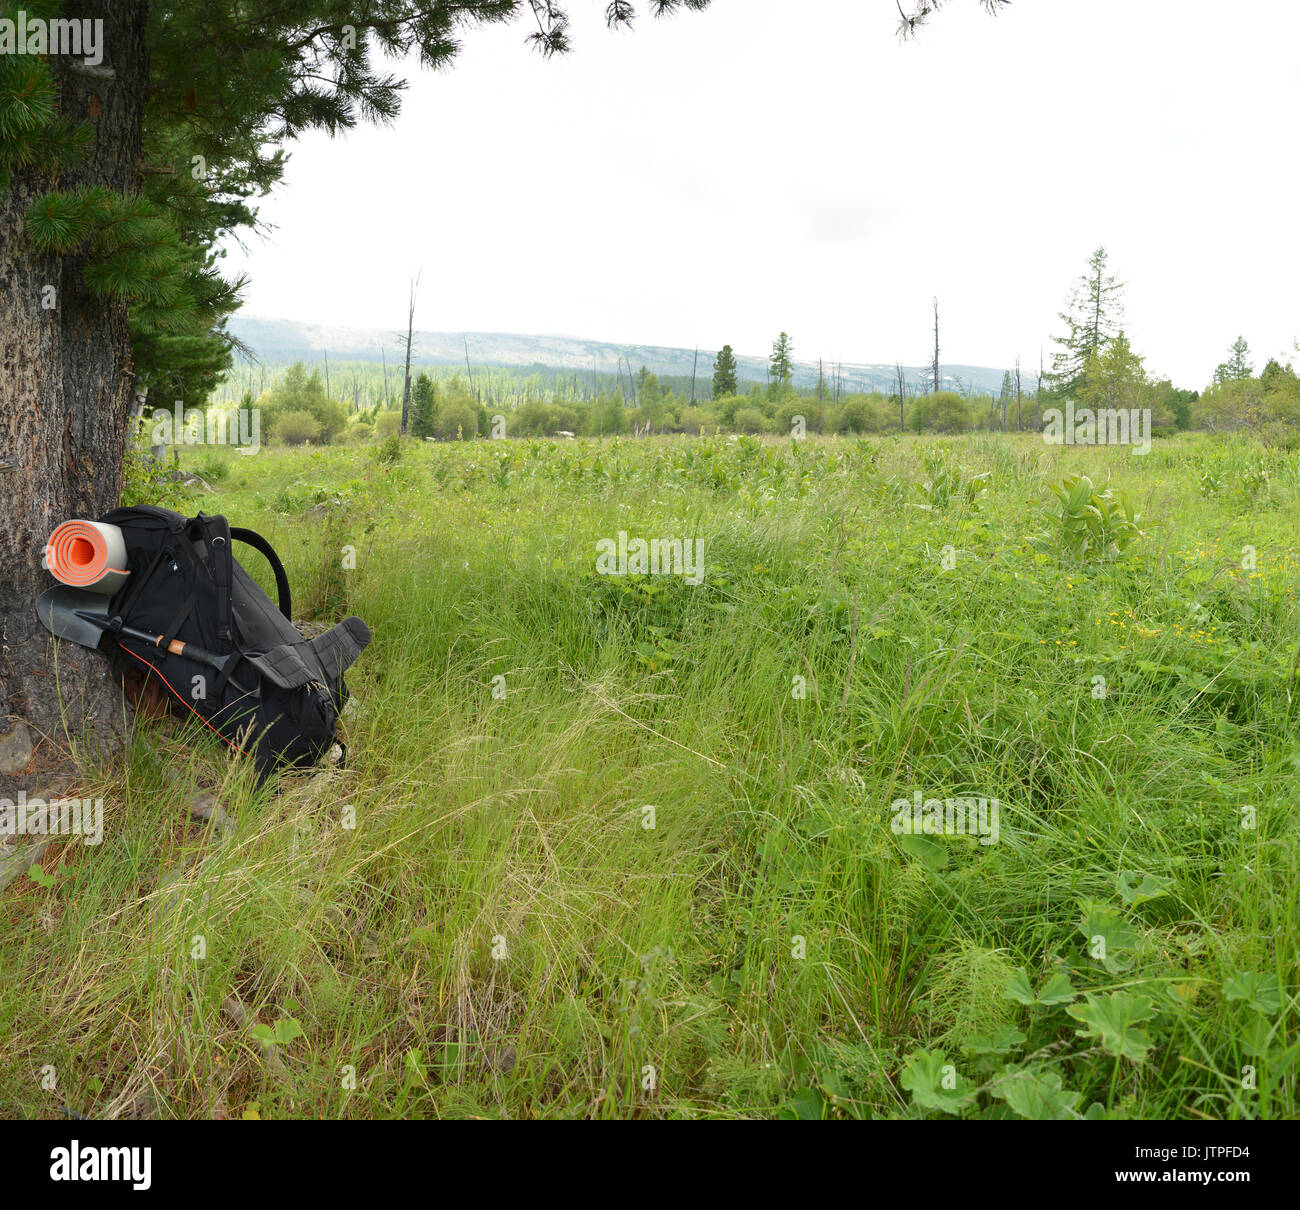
[(283, 340)]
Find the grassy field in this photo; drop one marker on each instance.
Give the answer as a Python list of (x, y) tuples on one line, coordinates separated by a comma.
[(624, 846)]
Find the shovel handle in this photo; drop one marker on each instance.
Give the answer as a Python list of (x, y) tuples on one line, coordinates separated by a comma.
[(190, 650)]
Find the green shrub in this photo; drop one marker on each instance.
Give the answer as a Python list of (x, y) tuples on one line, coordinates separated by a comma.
[(296, 428), (457, 419), (859, 414), (1087, 524), (943, 412)]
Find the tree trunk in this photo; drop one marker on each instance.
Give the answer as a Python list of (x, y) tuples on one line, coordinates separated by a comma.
[(66, 384), (936, 346)]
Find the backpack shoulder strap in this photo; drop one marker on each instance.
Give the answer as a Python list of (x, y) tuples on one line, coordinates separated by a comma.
[(216, 534), (251, 538)]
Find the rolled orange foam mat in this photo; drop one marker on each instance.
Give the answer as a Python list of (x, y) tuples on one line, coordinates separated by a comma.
[(86, 554)]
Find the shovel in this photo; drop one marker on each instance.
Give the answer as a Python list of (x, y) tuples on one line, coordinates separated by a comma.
[(82, 617)]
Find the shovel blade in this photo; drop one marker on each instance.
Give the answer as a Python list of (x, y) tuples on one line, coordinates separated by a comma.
[(57, 610)]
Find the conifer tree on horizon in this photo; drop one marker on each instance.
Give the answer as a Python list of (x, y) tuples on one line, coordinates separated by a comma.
[(1093, 317), (1238, 367), (724, 373), (781, 365), (424, 406)]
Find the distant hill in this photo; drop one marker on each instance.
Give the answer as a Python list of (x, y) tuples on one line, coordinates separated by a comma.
[(284, 340)]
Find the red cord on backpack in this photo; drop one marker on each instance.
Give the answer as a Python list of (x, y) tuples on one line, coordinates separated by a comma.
[(184, 703)]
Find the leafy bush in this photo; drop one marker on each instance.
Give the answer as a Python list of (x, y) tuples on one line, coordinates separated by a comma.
[(145, 481), (1253, 481), (1087, 524), (533, 419), (457, 419), (944, 412), (945, 480), (300, 392), (859, 414), (296, 428)]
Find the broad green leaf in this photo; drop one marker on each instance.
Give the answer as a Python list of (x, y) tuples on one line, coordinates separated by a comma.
[(1114, 1021), (1018, 989), (1135, 893), (1037, 1095), (1262, 992), (925, 1076), (1080, 493), (926, 849), (805, 1105), (286, 1030), (1057, 990), (1109, 937), (1002, 1041), (1257, 1039)]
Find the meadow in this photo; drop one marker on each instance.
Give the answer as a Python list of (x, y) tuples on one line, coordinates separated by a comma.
[(627, 847)]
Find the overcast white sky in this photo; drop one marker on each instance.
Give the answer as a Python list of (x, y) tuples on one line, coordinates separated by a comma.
[(788, 164)]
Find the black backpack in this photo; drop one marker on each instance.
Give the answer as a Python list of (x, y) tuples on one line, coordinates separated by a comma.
[(275, 695)]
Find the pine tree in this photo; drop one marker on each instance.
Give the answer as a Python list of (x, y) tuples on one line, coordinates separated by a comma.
[(1092, 318), (424, 407), (1275, 376), (724, 373), (1238, 367), (782, 361)]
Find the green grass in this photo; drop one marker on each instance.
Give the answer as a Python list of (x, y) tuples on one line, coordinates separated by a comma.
[(502, 934)]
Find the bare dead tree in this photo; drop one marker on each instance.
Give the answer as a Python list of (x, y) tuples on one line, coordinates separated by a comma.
[(1019, 423), (408, 340), (469, 374), (936, 346), (902, 395), (1038, 395)]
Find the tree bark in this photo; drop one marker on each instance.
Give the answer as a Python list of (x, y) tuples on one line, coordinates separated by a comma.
[(66, 383)]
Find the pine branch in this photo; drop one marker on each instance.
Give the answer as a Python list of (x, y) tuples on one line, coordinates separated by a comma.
[(911, 24)]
